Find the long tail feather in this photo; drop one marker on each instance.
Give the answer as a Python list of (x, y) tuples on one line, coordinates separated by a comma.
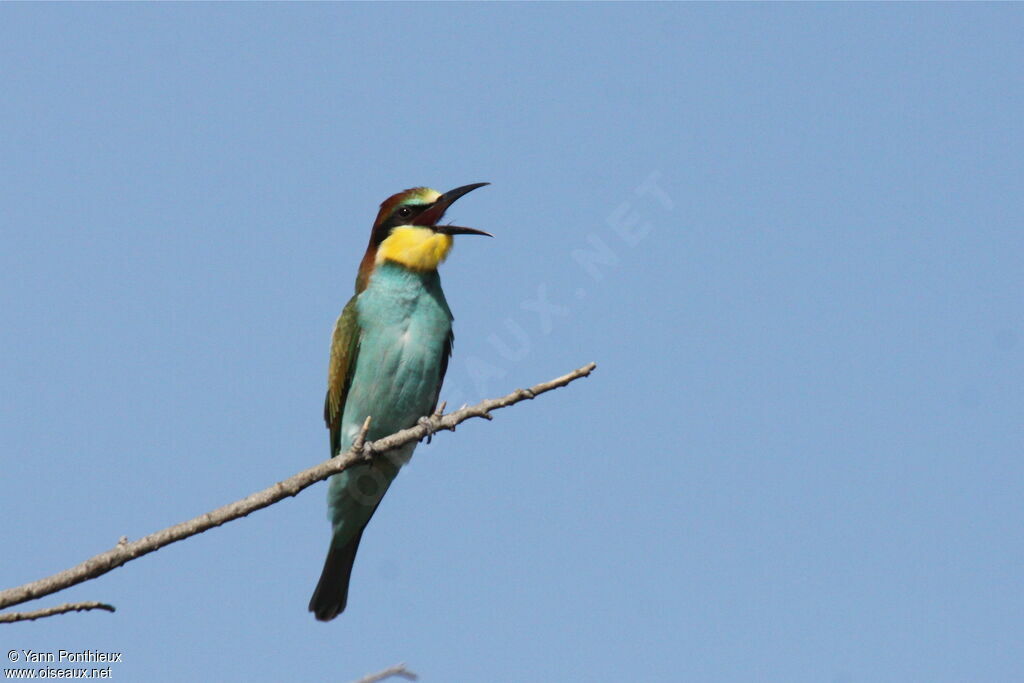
[(331, 592)]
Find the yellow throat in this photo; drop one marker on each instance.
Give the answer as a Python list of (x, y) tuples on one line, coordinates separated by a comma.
[(415, 247)]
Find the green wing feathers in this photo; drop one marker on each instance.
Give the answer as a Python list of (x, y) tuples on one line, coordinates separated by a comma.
[(446, 354), (344, 349)]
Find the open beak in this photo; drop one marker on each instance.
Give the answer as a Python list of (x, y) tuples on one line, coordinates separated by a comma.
[(432, 215), (459, 230)]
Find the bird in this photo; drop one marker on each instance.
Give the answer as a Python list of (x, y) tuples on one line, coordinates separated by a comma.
[(389, 354)]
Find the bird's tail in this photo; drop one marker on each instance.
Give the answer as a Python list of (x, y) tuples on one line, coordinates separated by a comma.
[(331, 592), (353, 496)]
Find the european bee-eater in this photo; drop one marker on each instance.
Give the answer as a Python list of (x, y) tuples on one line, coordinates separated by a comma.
[(389, 354)]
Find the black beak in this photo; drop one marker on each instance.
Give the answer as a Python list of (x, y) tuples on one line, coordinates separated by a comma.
[(437, 209), (449, 197), (459, 230)]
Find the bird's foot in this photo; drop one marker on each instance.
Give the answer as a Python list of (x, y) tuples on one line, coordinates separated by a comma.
[(427, 423)]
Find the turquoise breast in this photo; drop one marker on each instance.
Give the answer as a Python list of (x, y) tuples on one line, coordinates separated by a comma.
[(405, 325)]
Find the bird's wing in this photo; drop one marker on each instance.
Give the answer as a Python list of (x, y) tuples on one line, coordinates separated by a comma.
[(344, 349), (446, 353)]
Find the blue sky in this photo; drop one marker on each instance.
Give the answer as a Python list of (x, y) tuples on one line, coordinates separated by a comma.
[(790, 235)]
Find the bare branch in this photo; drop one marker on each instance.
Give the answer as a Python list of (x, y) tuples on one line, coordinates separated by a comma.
[(126, 551), (360, 441), (11, 617), (398, 670)]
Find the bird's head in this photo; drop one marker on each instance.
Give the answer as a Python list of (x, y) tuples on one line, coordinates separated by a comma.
[(407, 232)]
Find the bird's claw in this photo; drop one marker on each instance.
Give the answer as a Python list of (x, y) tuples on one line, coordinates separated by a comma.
[(428, 424)]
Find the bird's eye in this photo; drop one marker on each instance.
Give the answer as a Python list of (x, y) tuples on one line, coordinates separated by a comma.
[(405, 212)]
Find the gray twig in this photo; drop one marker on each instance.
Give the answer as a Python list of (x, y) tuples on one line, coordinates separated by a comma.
[(10, 617), (396, 670)]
